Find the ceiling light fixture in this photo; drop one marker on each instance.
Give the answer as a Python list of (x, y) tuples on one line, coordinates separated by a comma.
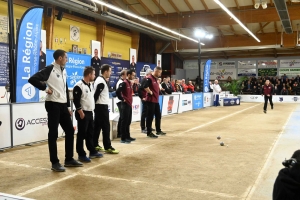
[(144, 20), (236, 19)]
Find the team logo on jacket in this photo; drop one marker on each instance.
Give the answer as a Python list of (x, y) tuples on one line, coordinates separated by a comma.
[(57, 75), (86, 91), (295, 98)]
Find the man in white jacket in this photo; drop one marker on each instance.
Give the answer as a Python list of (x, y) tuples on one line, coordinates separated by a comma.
[(216, 91)]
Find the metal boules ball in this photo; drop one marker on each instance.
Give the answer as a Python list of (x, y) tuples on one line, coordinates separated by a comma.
[(222, 143), (218, 137)]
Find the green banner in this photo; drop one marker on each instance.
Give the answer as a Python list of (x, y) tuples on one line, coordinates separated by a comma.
[(267, 72)]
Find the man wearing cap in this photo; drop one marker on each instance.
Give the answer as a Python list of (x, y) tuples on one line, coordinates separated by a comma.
[(152, 88), (142, 94)]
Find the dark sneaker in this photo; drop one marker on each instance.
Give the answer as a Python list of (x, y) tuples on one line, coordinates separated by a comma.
[(272, 107), (58, 168), (118, 136), (144, 131), (96, 155), (73, 163), (84, 159), (99, 148), (161, 133), (265, 111), (126, 141), (111, 150), (131, 139), (151, 135)]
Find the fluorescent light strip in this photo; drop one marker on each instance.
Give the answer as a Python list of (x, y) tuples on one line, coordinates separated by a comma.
[(236, 19), (144, 20)]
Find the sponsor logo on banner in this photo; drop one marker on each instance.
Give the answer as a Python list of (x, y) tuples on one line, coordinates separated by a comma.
[(206, 76), (136, 109), (295, 99), (21, 123), (253, 97), (74, 67), (289, 63), (221, 74), (281, 99), (28, 54)]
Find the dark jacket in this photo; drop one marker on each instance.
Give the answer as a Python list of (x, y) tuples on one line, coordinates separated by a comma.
[(287, 184), (167, 88)]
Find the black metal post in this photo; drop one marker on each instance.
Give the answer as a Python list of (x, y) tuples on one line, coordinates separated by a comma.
[(12, 49), (199, 61)]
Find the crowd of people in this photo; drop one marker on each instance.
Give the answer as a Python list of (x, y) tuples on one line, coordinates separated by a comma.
[(282, 85), (167, 86)]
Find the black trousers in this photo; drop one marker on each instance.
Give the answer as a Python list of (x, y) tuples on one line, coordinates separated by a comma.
[(266, 101), (126, 116), (85, 132), (58, 114), (143, 116), (120, 118), (153, 109), (101, 122)]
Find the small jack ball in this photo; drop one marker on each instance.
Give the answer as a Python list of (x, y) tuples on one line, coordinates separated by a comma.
[(222, 143), (218, 137)]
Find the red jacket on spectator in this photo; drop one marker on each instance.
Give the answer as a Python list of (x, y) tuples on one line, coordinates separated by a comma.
[(173, 86), (184, 87), (191, 88)]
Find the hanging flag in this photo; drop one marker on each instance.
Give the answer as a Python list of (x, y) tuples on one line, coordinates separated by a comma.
[(28, 54), (206, 76)]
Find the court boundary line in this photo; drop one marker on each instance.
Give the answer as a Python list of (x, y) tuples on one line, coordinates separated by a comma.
[(220, 194), (250, 191), (134, 152)]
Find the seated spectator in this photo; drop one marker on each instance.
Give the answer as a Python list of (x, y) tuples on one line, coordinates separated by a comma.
[(290, 91), (178, 87), (287, 183), (167, 86), (173, 84), (191, 87), (161, 89), (229, 79), (254, 90), (284, 91), (184, 86)]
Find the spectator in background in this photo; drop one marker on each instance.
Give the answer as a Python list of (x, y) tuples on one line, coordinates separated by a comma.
[(167, 86), (284, 77), (161, 89), (297, 79), (254, 90), (276, 89), (178, 86), (284, 91), (191, 87), (135, 86), (295, 86), (229, 79), (184, 86), (198, 81), (290, 91), (42, 57), (216, 91), (173, 84)]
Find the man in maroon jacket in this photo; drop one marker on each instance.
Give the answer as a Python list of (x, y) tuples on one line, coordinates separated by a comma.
[(267, 91), (124, 93), (152, 88)]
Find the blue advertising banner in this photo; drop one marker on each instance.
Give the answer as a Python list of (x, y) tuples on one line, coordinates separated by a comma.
[(28, 54), (197, 101), (206, 76), (74, 67), (231, 101), (117, 66), (142, 67)]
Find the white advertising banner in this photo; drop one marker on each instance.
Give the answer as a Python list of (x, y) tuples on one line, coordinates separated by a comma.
[(170, 104), (207, 99), (250, 64), (290, 63), (222, 74), (267, 64), (276, 98), (136, 109), (226, 65), (30, 123), (290, 72), (185, 103), (5, 140), (251, 98), (246, 72), (193, 64)]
